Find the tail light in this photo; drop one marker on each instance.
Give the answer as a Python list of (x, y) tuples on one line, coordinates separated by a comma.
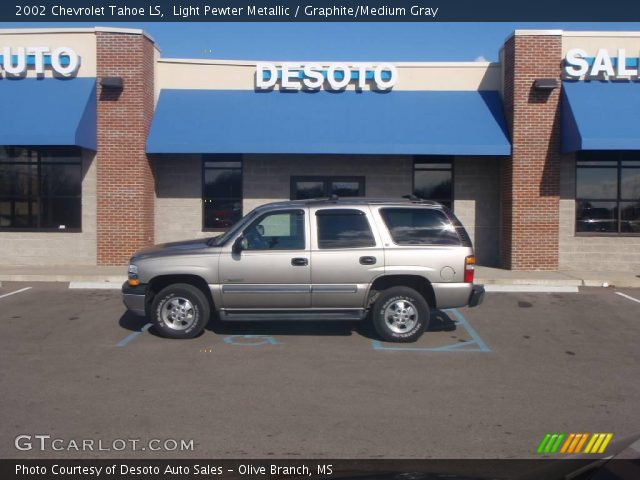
[(469, 268)]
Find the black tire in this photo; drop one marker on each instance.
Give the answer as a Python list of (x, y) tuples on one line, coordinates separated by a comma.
[(415, 324), (191, 312)]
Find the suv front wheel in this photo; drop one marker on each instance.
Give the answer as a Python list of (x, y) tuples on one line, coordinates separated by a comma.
[(400, 314), (180, 311)]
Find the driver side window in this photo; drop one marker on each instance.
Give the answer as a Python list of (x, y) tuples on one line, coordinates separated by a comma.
[(282, 230)]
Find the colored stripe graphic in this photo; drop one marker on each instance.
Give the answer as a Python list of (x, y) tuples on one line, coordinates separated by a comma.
[(576, 445), (581, 442), (567, 443), (573, 443), (543, 443), (598, 442), (550, 443)]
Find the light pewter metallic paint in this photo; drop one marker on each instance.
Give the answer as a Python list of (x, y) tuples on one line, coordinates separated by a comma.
[(332, 280)]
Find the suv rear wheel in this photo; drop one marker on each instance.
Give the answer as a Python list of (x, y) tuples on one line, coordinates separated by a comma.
[(400, 314), (180, 311)]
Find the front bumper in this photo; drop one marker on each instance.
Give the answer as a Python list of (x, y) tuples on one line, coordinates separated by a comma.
[(134, 298), (477, 295)]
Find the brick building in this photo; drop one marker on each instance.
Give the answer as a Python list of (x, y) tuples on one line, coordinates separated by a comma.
[(106, 147)]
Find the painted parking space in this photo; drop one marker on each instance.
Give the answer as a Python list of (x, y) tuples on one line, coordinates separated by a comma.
[(132, 336), (473, 343), (635, 299), (290, 378), (251, 340), (39, 314), (449, 331), (14, 292)]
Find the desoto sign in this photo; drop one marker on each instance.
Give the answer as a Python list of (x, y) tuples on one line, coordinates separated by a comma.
[(336, 76), (578, 64), (15, 62)]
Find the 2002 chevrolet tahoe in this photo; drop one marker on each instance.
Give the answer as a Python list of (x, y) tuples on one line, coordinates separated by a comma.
[(390, 260)]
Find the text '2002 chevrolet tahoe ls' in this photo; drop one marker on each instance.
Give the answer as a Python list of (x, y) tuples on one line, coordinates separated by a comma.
[(326, 259)]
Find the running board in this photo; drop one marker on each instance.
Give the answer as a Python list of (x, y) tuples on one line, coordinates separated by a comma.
[(290, 315)]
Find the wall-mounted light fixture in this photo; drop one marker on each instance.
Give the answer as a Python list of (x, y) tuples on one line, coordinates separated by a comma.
[(546, 84), (112, 83)]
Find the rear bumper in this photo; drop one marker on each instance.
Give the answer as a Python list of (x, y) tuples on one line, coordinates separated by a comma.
[(134, 298), (477, 295), (454, 295)]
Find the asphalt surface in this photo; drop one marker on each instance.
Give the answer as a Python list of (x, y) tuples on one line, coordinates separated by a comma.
[(487, 382)]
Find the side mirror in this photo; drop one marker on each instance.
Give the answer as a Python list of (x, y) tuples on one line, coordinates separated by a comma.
[(239, 245)]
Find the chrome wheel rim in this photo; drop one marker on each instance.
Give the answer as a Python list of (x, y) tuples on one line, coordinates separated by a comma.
[(401, 316), (178, 313)]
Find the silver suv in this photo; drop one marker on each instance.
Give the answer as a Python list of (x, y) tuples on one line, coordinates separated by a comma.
[(325, 259)]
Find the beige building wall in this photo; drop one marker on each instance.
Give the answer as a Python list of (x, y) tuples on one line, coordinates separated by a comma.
[(82, 41), (266, 178), (178, 208), (591, 42), (240, 75), (595, 253), (476, 186), (58, 248)]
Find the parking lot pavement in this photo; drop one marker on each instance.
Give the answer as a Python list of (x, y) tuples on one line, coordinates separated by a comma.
[(482, 383)]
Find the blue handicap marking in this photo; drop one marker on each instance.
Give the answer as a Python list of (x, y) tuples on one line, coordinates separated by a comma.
[(476, 344), (251, 340)]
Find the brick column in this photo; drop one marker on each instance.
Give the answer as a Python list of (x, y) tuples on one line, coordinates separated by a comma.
[(530, 179), (125, 186)]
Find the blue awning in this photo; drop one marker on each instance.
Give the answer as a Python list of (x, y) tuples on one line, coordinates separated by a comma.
[(399, 122), (600, 116), (48, 112)]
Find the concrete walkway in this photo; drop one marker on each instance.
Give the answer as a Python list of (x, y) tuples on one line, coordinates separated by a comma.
[(63, 273), (577, 278), (485, 275)]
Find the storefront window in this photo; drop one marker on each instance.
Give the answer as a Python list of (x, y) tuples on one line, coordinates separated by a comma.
[(608, 192), (320, 187), (40, 188), (221, 191), (433, 179)]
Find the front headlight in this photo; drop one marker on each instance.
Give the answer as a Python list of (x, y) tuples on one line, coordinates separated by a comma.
[(132, 277)]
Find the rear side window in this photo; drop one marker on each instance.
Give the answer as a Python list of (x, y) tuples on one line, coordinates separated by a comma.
[(343, 228), (419, 226)]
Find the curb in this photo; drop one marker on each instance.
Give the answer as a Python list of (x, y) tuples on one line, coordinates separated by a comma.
[(530, 288), (561, 282), (119, 279), (95, 285), (110, 281), (569, 282)]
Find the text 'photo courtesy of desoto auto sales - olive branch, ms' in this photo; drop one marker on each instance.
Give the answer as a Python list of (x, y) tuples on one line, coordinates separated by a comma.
[(283, 267)]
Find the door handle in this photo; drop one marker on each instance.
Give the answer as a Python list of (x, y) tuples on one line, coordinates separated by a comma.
[(299, 262), (368, 260)]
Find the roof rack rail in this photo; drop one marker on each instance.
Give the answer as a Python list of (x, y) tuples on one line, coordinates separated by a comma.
[(411, 197)]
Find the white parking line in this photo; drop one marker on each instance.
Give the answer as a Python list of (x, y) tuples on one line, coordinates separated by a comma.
[(96, 285), (530, 289), (17, 291), (628, 296)]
